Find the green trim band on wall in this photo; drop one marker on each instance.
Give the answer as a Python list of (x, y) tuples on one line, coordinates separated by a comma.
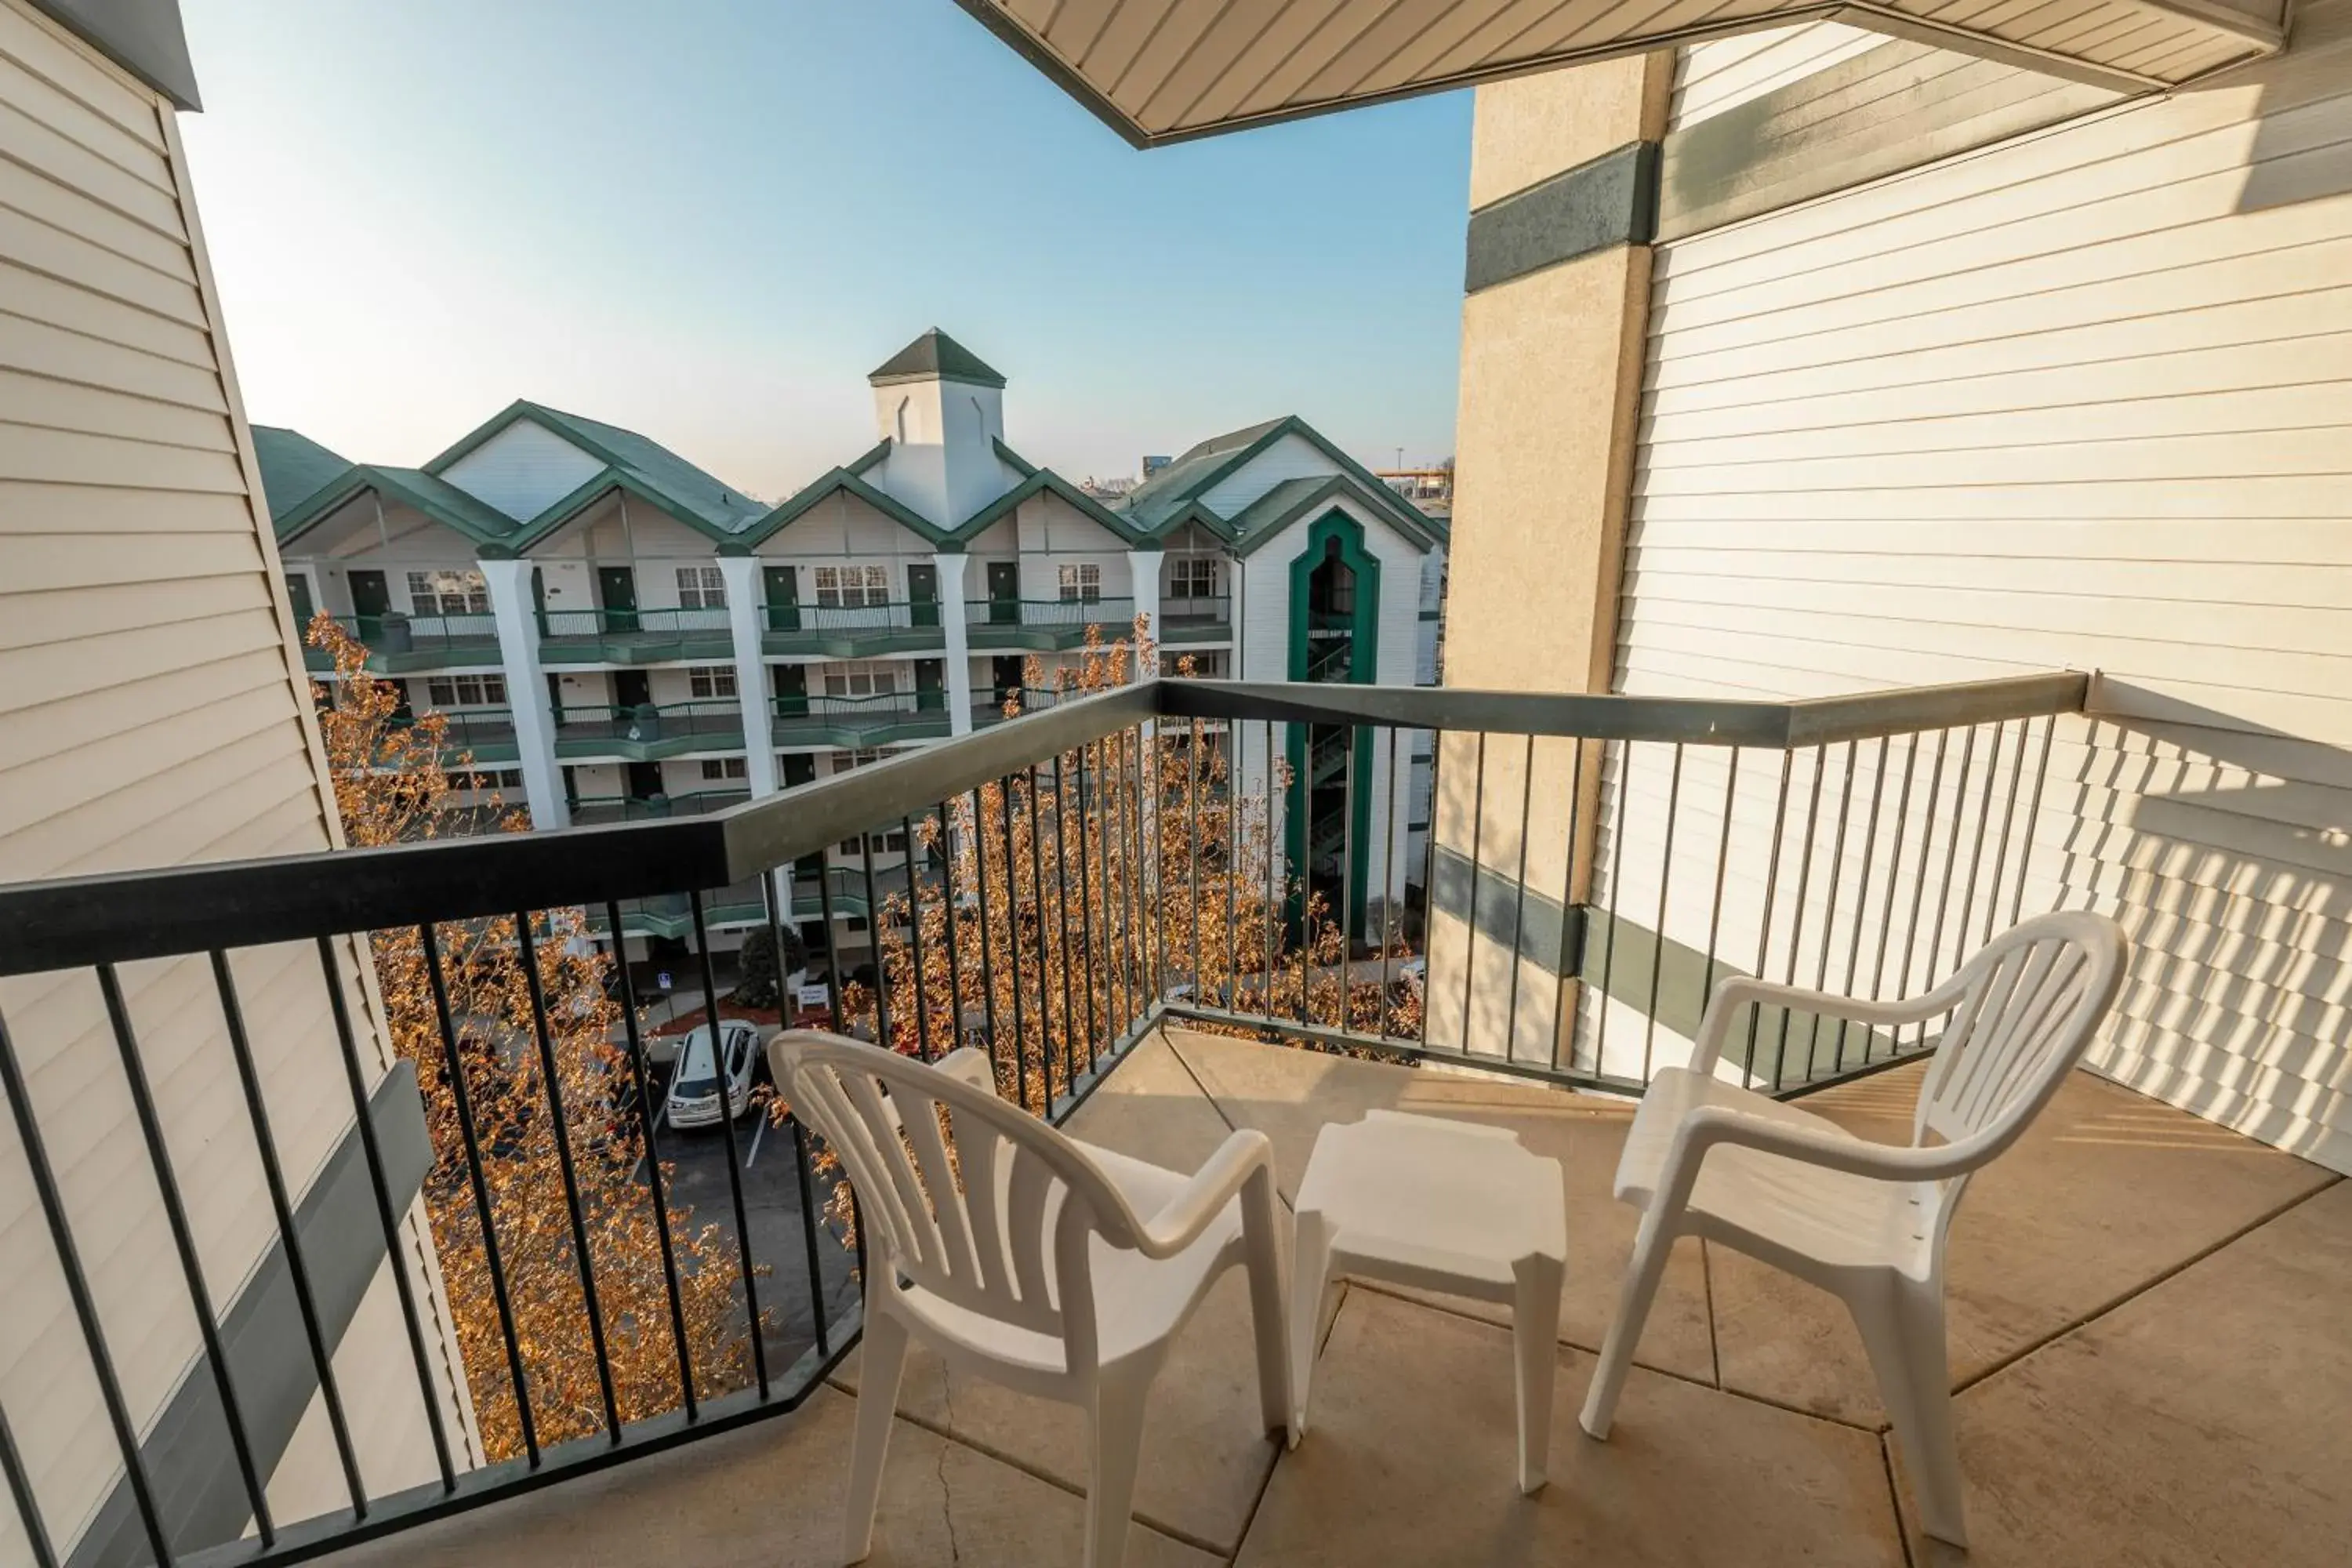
[(186, 1452), (1609, 201), (1588, 944)]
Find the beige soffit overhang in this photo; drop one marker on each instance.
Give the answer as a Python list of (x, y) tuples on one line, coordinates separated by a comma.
[(1168, 71)]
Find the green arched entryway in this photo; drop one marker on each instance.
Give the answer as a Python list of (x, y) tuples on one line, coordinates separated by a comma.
[(1335, 597)]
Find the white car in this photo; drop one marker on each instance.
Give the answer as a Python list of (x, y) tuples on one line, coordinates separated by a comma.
[(694, 1087)]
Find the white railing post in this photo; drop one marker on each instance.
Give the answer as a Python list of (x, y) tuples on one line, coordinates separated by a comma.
[(515, 612), (745, 618), (951, 567), (1143, 569)]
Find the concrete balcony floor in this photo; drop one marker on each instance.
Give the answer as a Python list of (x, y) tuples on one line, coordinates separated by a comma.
[(2146, 1327)]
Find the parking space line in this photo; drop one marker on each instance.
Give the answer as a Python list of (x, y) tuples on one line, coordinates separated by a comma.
[(758, 1133)]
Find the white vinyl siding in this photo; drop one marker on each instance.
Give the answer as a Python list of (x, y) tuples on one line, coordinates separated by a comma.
[(523, 470), (2080, 400), (1718, 76), (151, 711)]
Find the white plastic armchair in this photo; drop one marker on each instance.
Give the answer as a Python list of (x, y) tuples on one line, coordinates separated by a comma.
[(1023, 1255), (1866, 1221)]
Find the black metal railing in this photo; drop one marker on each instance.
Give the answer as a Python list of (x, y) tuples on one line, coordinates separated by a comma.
[(1538, 885)]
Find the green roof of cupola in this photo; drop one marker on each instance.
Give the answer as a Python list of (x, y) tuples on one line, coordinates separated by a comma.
[(935, 356)]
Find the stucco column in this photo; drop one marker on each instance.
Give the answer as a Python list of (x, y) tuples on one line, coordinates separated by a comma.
[(1143, 570), (1563, 191), (951, 567), (513, 608), (744, 616)]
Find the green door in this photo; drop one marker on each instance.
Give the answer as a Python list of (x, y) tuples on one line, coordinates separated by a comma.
[(298, 595), (1004, 592), (931, 685), (616, 591), (371, 600), (800, 768), (923, 596), (783, 585), (791, 691)]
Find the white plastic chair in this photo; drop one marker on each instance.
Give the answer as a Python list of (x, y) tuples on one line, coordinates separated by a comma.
[(1866, 1221), (1025, 1257)]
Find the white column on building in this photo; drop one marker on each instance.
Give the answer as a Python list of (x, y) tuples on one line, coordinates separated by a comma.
[(951, 569), (742, 575), (514, 609), (1143, 567)]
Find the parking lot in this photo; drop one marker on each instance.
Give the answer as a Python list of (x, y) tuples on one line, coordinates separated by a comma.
[(771, 1205)]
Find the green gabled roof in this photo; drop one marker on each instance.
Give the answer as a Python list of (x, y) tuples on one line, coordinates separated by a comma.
[(1156, 504), (1290, 499), (874, 453), (935, 356), (438, 498), (695, 498), (293, 467), (835, 482), (1040, 481)]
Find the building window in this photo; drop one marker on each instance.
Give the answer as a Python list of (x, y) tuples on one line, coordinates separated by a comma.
[(701, 588), (716, 770), (1081, 581), (860, 680), (842, 761), (1193, 577), (711, 679), (448, 592), (891, 843), (488, 778), (853, 587), (466, 690)]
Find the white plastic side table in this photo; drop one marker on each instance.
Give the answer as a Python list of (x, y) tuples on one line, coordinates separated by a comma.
[(1445, 1205)]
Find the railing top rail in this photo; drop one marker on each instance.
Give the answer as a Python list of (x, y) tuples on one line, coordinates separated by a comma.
[(1613, 717), (79, 921)]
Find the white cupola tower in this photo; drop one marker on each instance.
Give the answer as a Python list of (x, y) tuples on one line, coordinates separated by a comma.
[(943, 412)]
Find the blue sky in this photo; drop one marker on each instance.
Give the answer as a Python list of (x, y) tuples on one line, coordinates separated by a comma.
[(707, 219)]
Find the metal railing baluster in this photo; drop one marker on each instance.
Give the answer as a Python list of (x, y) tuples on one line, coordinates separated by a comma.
[(1796, 914), (1566, 970), (915, 942), (281, 1207), (1013, 956), (876, 920), (987, 929), (559, 1125), (1862, 894), (1830, 905), (1764, 926), (1616, 896), (2032, 816), (85, 1308), (28, 1507), (1519, 900), (1470, 906), (640, 1080), (468, 1135), (183, 1242), (1951, 861), (734, 1153), (1665, 881), (1919, 887), (2008, 820)]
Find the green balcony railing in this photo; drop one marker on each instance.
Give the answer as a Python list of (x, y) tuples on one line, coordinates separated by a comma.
[(648, 732), (589, 810), (1044, 624), (634, 635), (488, 734), (1196, 618), (398, 644), (822, 719), (847, 630)]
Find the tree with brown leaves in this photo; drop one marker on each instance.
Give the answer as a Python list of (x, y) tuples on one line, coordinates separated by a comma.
[(1063, 899), (392, 786)]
